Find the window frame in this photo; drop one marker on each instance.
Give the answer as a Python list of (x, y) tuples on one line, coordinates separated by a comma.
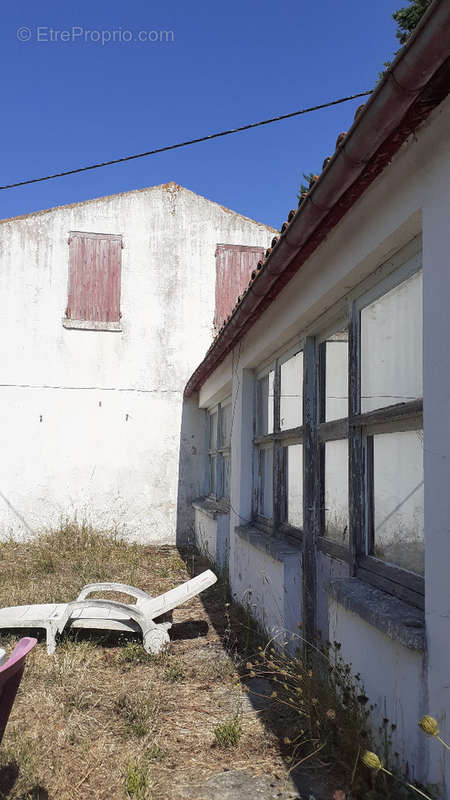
[(400, 582), (261, 442), (357, 428), (91, 324), (277, 440), (329, 431), (221, 451)]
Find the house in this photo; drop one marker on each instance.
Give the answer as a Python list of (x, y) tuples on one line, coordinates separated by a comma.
[(326, 395), (108, 306)]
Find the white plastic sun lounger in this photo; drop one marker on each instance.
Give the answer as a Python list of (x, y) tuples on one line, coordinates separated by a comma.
[(108, 614)]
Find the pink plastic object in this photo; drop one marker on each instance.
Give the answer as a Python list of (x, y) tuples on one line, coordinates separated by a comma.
[(10, 676)]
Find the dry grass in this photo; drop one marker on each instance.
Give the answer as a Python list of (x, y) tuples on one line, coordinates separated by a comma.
[(101, 719)]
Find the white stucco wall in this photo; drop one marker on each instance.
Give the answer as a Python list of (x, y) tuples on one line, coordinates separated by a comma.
[(267, 579), (394, 680), (93, 420), (410, 198), (212, 536)]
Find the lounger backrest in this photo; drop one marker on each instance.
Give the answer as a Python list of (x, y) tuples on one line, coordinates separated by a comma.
[(10, 676), (175, 597)]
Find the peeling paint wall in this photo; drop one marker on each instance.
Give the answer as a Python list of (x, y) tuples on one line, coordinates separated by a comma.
[(394, 680), (212, 537), (93, 420), (267, 579)]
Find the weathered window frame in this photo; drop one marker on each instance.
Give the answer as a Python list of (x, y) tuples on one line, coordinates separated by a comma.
[(277, 441), (357, 428), (262, 442), (220, 452), (398, 417), (88, 323), (328, 431)]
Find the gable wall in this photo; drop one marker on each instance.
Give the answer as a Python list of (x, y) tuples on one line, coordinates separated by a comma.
[(92, 419)]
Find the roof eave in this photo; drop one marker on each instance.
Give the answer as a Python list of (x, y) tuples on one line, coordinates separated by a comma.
[(388, 118)]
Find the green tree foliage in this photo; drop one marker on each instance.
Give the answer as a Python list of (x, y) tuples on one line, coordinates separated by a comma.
[(304, 187), (408, 18)]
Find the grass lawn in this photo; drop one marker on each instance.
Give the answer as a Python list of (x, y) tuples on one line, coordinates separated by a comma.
[(101, 718)]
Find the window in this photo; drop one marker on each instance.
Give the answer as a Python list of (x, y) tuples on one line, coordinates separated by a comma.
[(333, 442), (386, 430), (94, 281), (264, 449), (391, 346), (343, 468), (278, 498), (397, 498), (219, 450)]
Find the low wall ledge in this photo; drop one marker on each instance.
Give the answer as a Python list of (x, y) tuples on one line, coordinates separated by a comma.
[(212, 508), (278, 549), (398, 620)]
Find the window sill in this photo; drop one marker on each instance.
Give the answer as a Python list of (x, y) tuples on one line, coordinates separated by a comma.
[(87, 325), (212, 508), (334, 549), (398, 620), (279, 549)]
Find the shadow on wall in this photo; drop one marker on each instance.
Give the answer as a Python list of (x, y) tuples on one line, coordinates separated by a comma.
[(191, 467)]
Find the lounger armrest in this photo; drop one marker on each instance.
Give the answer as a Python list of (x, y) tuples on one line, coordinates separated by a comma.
[(124, 588)]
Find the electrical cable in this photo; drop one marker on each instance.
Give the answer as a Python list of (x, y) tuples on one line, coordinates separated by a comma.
[(186, 143)]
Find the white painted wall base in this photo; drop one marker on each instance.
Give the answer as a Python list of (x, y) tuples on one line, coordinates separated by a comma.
[(266, 577), (212, 536), (393, 677)]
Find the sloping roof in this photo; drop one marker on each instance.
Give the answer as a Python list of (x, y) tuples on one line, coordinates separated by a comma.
[(416, 82)]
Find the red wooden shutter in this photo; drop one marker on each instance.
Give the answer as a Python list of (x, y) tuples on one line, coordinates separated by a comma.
[(234, 265), (94, 277)]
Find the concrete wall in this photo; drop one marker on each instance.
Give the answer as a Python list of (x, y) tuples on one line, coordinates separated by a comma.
[(92, 419), (411, 198)]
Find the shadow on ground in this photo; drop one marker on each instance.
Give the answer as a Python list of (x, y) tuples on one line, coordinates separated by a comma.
[(9, 775), (241, 640)]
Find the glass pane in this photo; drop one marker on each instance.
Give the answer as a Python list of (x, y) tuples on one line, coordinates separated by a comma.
[(398, 499), (391, 346), (212, 474), (336, 491), (265, 404), (336, 376), (226, 477), (213, 431), (226, 425), (265, 482), (291, 393), (294, 484)]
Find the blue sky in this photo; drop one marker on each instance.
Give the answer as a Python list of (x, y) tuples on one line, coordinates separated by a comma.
[(71, 103)]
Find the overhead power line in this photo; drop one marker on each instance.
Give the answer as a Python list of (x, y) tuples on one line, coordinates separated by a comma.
[(185, 144)]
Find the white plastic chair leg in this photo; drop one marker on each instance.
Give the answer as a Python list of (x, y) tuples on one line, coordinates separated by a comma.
[(155, 639)]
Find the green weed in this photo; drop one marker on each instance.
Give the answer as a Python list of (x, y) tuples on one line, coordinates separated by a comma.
[(137, 781), (229, 733)]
